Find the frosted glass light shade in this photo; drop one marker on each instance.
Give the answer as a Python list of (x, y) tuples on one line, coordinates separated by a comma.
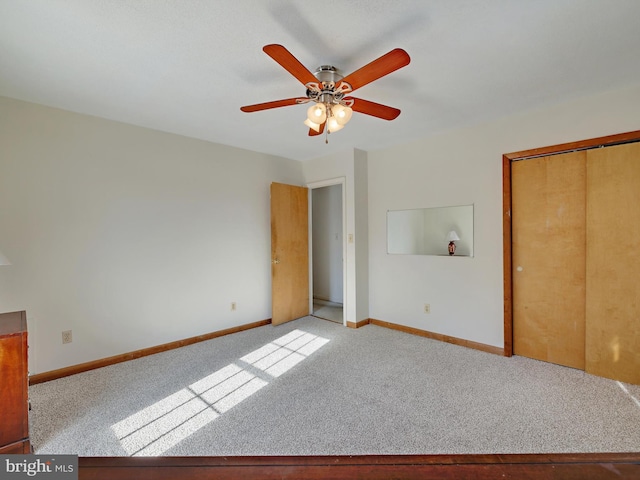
[(333, 125), (341, 113), (317, 113), (312, 125)]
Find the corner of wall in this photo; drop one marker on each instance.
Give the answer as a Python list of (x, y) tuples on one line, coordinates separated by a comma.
[(361, 191)]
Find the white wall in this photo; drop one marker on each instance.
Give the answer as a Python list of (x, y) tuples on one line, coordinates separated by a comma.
[(459, 168), (127, 236), (327, 242), (361, 208), (342, 166), (132, 237)]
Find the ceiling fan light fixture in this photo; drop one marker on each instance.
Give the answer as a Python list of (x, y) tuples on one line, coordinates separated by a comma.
[(341, 113), (313, 125), (317, 113), (330, 109), (333, 125)]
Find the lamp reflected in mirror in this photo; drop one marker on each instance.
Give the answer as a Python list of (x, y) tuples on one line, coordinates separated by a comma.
[(452, 237), (440, 231)]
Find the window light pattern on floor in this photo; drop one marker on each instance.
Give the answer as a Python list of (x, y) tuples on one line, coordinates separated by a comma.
[(158, 427), (626, 390)]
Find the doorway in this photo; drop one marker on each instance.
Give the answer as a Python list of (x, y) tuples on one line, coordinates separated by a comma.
[(326, 227)]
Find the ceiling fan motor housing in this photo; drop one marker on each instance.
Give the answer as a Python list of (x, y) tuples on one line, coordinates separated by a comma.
[(329, 74), (328, 77)]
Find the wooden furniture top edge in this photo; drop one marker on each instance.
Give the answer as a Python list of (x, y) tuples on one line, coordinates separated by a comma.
[(13, 323), (441, 459), (487, 468), (581, 144), (439, 336), (18, 447), (124, 357)]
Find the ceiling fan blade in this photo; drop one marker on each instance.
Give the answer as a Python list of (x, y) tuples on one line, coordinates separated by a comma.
[(390, 62), (275, 104), (374, 109), (313, 133), (290, 63)]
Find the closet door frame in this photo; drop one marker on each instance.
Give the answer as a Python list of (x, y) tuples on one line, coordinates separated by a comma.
[(507, 160)]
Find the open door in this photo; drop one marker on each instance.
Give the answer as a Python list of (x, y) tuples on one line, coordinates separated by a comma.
[(289, 252)]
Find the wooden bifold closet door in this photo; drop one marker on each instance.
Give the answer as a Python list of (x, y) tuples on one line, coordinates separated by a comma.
[(575, 259), (549, 245), (613, 263)]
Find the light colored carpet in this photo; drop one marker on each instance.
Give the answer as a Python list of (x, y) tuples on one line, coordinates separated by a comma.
[(312, 387), (328, 311)]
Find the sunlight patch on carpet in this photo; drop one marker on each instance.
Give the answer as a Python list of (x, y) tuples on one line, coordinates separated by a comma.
[(626, 390), (158, 427), (285, 353)]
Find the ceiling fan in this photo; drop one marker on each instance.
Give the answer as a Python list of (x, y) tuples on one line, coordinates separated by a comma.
[(329, 92)]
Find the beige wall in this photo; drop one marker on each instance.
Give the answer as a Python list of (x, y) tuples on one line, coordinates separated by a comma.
[(350, 167), (127, 236), (132, 237), (459, 168)]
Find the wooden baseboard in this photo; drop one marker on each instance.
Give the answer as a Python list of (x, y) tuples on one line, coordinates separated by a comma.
[(438, 336), (83, 367), (103, 362), (359, 324)]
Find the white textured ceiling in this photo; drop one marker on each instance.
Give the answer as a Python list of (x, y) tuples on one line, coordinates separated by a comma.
[(187, 66)]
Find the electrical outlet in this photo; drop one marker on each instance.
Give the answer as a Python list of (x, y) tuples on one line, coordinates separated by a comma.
[(427, 308), (233, 306), (67, 337)]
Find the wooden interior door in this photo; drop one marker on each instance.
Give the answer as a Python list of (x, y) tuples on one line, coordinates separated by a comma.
[(548, 258), (289, 252), (613, 263)]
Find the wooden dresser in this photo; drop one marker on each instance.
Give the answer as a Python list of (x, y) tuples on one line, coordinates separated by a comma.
[(14, 384)]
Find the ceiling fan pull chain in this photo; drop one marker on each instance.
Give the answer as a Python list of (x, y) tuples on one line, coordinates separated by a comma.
[(326, 128)]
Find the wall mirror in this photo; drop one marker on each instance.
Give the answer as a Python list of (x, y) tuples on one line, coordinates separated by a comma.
[(428, 231)]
